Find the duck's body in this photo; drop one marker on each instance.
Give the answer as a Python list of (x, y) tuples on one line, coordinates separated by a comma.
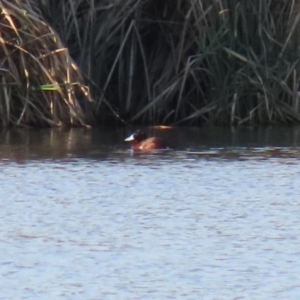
[(140, 142)]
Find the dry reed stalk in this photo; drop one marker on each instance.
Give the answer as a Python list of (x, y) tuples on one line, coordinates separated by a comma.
[(41, 85)]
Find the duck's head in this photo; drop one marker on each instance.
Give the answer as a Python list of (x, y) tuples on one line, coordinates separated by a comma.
[(137, 137)]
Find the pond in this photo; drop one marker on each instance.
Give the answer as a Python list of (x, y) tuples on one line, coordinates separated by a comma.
[(214, 217)]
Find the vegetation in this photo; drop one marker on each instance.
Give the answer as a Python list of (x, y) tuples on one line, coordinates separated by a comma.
[(40, 84), (151, 61)]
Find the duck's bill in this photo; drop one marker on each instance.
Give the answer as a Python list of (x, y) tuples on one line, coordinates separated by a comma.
[(129, 139)]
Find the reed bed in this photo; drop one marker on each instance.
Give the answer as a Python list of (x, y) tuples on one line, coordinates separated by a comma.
[(185, 61), (40, 83)]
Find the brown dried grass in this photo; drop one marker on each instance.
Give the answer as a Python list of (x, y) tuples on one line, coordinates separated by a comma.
[(40, 83)]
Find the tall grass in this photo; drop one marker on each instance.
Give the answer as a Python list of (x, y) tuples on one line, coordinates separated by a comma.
[(185, 61), (40, 83)]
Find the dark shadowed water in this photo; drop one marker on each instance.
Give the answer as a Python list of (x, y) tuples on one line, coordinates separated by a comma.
[(215, 217)]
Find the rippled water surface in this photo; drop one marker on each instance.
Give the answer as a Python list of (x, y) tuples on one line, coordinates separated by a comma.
[(215, 217)]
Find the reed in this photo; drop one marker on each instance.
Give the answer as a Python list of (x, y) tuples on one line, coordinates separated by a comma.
[(40, 83), (185, 61)]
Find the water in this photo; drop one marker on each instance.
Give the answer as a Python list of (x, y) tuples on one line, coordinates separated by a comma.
[(216, 217)]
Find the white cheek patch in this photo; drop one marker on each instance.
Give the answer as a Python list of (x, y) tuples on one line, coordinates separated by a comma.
[(130, 138)]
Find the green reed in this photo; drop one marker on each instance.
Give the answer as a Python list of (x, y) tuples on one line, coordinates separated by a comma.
[(182, 62)]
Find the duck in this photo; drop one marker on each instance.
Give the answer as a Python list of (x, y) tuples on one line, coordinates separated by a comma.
[(140, 142)]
